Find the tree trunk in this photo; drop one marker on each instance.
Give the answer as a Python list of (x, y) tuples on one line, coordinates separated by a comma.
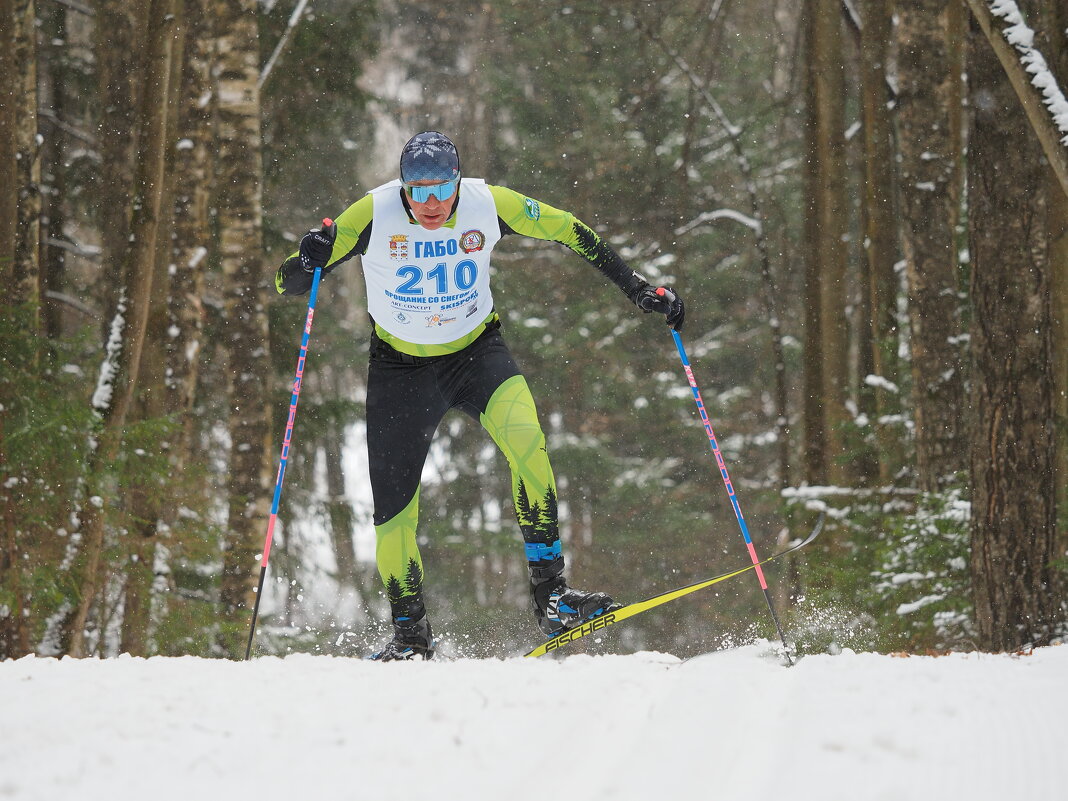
[(149, 495), (115, 46), (176, 327), (928, 93), (1013, 515), (826, 330), (55, 79), (14, 638), (1053, 42), (192, 231), (115, 392), (10, 69), (13, 635), (24, 286), (880, 230), (241, 241)]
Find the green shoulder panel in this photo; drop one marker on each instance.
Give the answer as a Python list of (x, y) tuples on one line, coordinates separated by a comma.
[(532, 218)]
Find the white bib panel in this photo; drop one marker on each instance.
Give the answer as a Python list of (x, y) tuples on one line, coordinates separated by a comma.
[(431, 287)]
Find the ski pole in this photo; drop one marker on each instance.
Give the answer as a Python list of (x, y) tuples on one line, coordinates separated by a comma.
[(286, 440), (727, 480)]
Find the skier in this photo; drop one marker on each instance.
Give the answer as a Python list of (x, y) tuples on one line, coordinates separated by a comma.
[(436, 345)]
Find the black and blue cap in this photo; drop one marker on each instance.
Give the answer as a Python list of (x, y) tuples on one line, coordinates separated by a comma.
[(429, 156)]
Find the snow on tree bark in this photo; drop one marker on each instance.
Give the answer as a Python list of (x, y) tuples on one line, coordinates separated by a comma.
[(119, 374), (192, 233), (1035, 86), (929, 140), (245, 279)]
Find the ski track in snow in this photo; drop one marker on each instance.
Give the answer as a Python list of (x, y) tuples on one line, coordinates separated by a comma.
[(732, 725)]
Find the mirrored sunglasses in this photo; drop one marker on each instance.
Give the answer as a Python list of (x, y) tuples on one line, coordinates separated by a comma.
[(442, 191)]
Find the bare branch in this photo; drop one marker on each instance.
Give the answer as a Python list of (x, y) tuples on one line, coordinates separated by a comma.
[(74, 303), (721, 214), (81, 8), (771, 294), (852, 20), (67, 128), (85, 251), (294, 18)]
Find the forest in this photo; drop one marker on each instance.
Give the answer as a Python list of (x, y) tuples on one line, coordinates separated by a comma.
[(864, 204)]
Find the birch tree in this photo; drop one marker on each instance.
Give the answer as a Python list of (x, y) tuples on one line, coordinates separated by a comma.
[(241, 251), (192, 232)]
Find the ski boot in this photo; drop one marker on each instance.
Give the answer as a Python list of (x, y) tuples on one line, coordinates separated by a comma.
[(412, 637), (558, 607)]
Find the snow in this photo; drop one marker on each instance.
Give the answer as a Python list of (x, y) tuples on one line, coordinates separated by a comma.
[(109, 368), (916, 606), (1022, 38), (881, 383), (731, 725)]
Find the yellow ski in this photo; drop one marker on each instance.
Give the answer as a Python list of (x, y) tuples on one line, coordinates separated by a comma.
[(630, 610)]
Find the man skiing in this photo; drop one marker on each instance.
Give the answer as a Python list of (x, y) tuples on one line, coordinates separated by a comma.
[(436, 344)]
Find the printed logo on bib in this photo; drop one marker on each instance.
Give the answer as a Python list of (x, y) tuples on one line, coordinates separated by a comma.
[(434, 320), (402, 318), (398, 247), (472, 241)]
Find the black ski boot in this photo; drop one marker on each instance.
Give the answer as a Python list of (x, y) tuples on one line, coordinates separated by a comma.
[(558, 607), (412, 638)]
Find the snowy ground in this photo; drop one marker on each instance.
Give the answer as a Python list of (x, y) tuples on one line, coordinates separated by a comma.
[(731, 725)]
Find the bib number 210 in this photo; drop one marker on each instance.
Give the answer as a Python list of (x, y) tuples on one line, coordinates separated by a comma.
[(463, 277)]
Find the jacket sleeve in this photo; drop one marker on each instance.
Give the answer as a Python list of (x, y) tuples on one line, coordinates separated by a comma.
[(353, 234), (519, 214)]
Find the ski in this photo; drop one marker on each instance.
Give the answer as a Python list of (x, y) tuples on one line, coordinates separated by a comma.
[(630, 610)]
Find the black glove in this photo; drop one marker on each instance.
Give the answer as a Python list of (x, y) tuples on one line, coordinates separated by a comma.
[(317, 245), (661, 299)]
